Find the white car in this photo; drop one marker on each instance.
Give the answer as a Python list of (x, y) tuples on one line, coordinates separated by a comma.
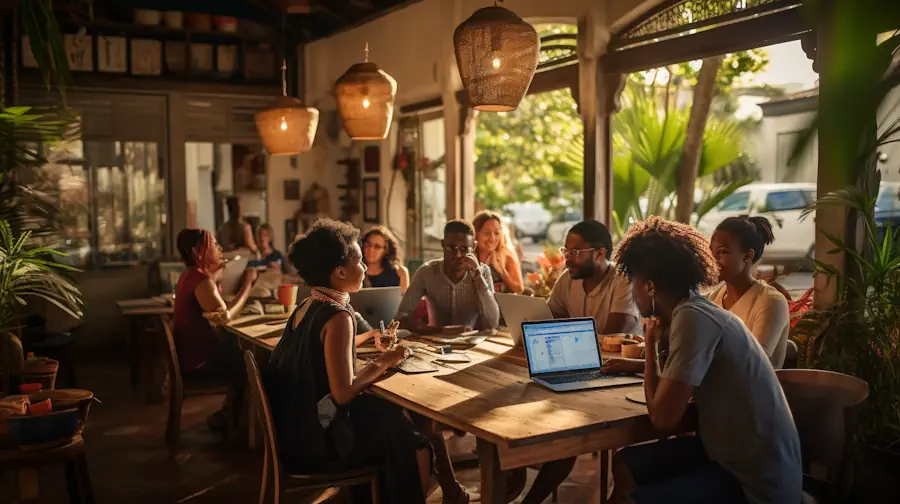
[(559, 228), (782, 204), (529, 220)]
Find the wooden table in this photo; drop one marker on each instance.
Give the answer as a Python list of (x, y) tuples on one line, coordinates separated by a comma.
[(517, 422), (145, 370)]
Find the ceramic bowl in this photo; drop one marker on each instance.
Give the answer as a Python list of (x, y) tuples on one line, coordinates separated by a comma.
[(44, 429)]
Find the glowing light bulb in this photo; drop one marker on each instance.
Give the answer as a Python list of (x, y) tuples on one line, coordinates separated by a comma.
[(495, 63), (283, 124), (366, 102)]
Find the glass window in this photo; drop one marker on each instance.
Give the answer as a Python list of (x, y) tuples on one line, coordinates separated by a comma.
[(739, 201), (433, 188), (112, 200), (780, 201)]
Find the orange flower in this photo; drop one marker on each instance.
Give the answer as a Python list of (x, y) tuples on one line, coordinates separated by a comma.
[(543, 261), (558, 261), (534, 278)]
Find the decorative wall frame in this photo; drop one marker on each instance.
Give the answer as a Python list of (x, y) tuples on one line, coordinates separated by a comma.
[(371, 201), (80, 52), (372, 159), (112, 54), (146, 57), (292, 190)]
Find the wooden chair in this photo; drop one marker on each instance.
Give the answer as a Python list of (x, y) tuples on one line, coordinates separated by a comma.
[(826, 408), (790, 355), (295, 482), (179, 389)]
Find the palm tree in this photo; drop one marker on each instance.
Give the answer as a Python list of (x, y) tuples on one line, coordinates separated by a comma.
[(648, 147)]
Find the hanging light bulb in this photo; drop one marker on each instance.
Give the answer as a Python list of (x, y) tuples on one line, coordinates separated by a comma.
[(497, 55), (287, 126), (365, 96)]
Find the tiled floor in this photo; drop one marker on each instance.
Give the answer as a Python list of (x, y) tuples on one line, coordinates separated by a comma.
[(129, 462)]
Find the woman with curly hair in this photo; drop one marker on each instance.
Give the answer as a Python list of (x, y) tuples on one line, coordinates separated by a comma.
[(738, 244), (747, 449), (325, 421), (384, 259), (495, 248)]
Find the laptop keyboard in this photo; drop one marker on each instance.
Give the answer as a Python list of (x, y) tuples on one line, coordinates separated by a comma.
[(593, 375)]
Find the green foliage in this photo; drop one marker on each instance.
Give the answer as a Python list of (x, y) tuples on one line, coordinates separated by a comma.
[(647, 144), (735, 69), (860, 333), (531, 154), (31, 206), (30, 272)]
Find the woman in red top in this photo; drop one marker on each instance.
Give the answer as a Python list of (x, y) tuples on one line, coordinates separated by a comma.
[(204, 353)]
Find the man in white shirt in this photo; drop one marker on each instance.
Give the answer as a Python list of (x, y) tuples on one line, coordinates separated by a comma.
[(591, 287)]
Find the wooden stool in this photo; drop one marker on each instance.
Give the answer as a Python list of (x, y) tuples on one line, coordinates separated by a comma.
[(24, 465)]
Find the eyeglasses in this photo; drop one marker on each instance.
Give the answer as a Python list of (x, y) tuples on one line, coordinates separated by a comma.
[(376, 246), (458, 249), (574, 253)]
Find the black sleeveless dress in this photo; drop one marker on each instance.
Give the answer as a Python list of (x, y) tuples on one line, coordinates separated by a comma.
[(364, 432), (387, 278)]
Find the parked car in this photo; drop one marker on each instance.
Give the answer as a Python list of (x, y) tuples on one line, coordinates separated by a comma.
[(529, 220), (559, 228), (782, 204)]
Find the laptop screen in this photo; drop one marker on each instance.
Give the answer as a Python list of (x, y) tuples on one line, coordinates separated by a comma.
[(561, 345)]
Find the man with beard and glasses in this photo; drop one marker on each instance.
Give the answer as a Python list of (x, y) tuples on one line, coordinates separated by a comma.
[(591, 287)]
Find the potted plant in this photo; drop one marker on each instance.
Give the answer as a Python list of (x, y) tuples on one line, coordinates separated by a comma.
[(29, 272), (551, 264), (859, 334)]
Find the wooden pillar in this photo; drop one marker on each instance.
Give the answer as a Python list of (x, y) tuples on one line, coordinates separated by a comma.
[(466, 160), (838, 151), (598, 92)]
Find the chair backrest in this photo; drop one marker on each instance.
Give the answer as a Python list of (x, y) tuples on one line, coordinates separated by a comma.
[(263, 410), (790, 355), (176, 385), (826, 407)]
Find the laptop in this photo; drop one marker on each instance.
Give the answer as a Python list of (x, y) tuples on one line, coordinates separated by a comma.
[(517, 309), (564, 355), (233, 276), (377, 304)]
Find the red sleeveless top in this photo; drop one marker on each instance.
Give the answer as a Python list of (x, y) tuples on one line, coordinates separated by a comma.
[(194, 335)]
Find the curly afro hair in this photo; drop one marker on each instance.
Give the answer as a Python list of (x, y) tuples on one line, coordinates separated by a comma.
[(324, 247), (674, 256)]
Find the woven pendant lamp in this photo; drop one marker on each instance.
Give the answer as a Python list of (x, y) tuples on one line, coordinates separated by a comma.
[(365, 97), (497, 54), (287, 126)]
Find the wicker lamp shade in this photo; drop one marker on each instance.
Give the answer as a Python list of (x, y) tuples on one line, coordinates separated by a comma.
[(497, 54), (365, 97), (287, 126)]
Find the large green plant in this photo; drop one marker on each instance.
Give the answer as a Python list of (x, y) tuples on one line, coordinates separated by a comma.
[(30, 272), (860, 333), (29, 204), (648, 142)]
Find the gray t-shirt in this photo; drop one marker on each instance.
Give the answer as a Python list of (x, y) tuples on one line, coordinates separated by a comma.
[(745, 422)]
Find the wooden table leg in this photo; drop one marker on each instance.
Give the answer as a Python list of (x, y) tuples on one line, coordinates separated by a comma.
[(493, 482), (134, 358), (72, 485), (28, 485), (604, 476)]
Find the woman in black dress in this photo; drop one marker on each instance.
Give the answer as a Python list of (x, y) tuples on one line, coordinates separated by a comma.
[(324, 419), (383, 260)]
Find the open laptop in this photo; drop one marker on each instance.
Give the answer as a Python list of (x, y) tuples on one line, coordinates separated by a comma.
[(233, 276), (377, 304), (564, 355), (517, 309)]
